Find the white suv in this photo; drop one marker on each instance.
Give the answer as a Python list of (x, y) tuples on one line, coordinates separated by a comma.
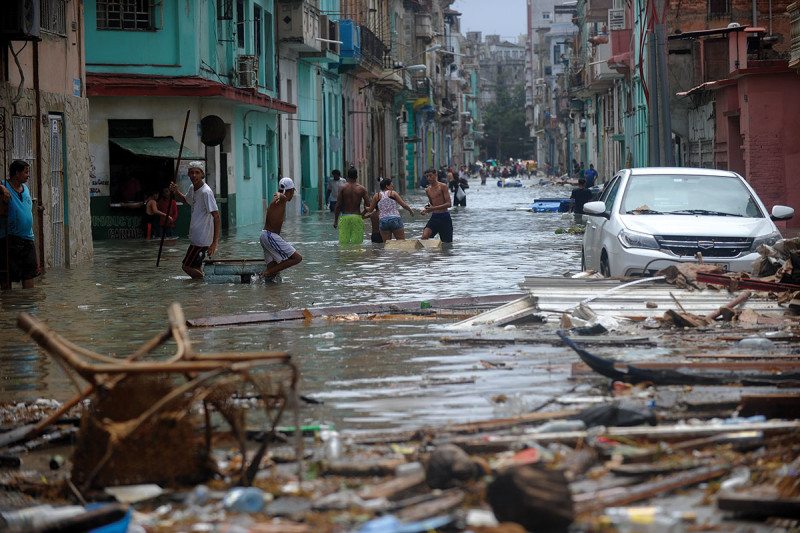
[(649, 218)]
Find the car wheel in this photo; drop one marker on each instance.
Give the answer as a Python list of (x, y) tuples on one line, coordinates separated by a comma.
[(605, 268), (583, 260)]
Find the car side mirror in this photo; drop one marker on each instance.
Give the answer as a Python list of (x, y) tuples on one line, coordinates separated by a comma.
[(595, 209), (782, 212)]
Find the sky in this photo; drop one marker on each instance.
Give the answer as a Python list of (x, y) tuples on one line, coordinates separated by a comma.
[(504, 17)]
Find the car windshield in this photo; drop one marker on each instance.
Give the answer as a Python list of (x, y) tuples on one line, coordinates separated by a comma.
[(689, 195)]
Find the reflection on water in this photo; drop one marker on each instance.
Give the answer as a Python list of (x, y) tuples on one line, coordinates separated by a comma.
[(370, 373)]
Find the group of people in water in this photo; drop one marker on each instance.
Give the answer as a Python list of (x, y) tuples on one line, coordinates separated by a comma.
[(351, 204)]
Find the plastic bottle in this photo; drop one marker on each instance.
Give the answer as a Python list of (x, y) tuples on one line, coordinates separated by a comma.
[(561, 425), (757, 343), (332, 448), (244, 499), (38, 517), (643, 520)]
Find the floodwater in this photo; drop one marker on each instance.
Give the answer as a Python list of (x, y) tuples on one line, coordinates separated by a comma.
[(370, 374)]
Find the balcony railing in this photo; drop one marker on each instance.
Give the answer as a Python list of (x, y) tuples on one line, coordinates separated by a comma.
[(793, 10), (373, 50)]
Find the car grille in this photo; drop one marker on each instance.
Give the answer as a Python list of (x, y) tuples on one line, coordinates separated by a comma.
[(708, 246)]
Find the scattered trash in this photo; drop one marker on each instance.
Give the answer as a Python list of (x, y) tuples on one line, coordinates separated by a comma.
[(134, 493), (244, 499)]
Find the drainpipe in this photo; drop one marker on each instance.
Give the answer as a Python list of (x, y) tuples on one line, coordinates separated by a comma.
[(278, 91), (755, 14), (37, 96)]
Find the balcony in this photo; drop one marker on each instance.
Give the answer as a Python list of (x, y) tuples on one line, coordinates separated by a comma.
[(329, 47), (373, 51), (350, 49), (597, 10), (599, 76), (424, 26), (298, 25), (794, 19)]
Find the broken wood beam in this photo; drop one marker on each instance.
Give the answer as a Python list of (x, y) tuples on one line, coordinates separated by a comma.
[(786, 406), (758, 505), (449, 500), (652, 489), (394, 489)]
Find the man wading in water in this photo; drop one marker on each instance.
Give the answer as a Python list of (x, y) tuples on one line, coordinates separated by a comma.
[(349, 200), (278, 254), (439, 202)]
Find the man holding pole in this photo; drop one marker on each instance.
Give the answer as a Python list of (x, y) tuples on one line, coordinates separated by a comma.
[(205, 222), (17, 251)]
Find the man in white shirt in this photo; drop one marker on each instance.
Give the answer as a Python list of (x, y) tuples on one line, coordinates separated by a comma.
[(205, 222)]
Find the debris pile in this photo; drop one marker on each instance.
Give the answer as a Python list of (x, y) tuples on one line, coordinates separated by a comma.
[(681, 416)]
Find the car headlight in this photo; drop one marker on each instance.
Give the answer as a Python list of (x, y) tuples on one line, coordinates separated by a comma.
[(768, 239), (634, 239)]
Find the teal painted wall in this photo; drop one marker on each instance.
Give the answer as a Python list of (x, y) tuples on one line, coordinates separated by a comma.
[(308, 127), (256, 164), (188, 41)]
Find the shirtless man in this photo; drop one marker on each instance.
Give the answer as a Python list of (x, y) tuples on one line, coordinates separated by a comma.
[(278, 254), (438, 204), (348, 202)]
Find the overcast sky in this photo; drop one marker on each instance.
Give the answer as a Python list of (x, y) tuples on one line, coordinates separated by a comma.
[(505, 17)]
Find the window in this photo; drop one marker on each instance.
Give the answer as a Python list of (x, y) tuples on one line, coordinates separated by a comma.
[(129, 15), (240, 23), (53, 16), (719, 8), (257, 30), (545, 15), (224, 9), (22, 148)]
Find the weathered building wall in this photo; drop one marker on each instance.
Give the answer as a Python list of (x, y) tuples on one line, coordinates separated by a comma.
[(770, 119), (693, 16)]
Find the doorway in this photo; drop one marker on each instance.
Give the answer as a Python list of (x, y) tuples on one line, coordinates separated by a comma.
[(57, 190)]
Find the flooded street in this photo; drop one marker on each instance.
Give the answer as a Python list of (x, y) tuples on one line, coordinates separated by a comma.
[(370, 374)]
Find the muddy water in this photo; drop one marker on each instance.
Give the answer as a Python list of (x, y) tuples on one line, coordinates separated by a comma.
[(369, 374)]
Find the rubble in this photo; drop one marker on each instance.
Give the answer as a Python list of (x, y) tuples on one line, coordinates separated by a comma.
[(699, 436)]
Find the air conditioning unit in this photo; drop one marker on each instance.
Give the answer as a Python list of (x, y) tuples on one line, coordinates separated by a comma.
[(20, 21), (469, 144), (247, 71), (539, 81)]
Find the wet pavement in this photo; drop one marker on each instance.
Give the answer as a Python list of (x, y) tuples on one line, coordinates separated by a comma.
[(370, 374)]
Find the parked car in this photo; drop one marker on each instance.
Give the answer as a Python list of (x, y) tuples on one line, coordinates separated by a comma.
[(649, 218)]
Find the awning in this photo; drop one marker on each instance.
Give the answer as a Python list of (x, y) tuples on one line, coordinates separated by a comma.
[(155, 147)]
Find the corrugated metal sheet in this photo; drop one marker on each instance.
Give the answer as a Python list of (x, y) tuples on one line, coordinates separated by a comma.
[(557, 295)]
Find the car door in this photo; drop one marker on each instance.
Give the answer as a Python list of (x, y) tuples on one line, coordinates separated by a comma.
[(593, 235)]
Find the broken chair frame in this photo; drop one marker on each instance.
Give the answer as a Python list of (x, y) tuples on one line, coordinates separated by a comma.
[(205, 374)]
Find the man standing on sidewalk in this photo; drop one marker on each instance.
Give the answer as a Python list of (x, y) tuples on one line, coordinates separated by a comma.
[(205, 222), (17, 251)]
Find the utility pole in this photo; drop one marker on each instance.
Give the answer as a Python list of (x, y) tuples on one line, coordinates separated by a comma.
[(664, 123)]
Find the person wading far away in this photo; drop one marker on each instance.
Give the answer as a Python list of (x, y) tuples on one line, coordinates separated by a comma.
[(278, 254), (348, 205), (204, 223), (439, 202), (17, 251)]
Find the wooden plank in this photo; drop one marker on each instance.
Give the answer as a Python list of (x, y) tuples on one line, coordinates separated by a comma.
[(445, 503), (786, 406), (779, 365), (394, 488), (759, 505), (376, 308), (605, 340), (479, 443), (655, 488)]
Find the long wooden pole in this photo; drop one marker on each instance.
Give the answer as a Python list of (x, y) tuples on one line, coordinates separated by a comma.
[(175, 180)]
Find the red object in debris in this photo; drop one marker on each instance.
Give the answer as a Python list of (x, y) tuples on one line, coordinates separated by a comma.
[(526, 456), (752, 284)]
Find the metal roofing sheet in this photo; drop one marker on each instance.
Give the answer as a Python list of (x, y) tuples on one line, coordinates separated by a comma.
[(155, 147), (556, 295)]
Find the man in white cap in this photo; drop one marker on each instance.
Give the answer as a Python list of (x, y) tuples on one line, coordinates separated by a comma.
[(205, 221), (278, 254)]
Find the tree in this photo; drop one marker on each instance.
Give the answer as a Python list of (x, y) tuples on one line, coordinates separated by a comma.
[(505, 133)]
